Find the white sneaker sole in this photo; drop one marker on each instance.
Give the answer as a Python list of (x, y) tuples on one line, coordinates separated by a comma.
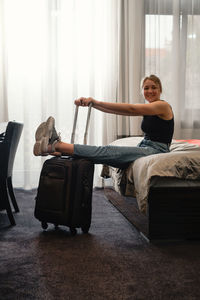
[(42, 136)]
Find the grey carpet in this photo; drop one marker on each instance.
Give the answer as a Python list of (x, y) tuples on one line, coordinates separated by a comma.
[(112, 262), (129, 208)]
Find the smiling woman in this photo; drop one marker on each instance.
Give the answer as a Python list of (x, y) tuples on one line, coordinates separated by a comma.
[(157, 124)]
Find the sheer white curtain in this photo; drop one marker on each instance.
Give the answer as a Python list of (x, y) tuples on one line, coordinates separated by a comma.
[(172, 43), (130, 67), (53, 51), (159, 37)]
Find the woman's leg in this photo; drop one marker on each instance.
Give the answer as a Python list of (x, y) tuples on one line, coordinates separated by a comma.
[(48, 142), (116, 156), (62, 148), (100, 154)]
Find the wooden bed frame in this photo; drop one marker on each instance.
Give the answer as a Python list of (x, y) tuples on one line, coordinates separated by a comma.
[(173, 209)]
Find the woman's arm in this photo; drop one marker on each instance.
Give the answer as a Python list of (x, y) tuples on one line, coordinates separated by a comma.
[(114, 108), (160, 108), (108, 107)]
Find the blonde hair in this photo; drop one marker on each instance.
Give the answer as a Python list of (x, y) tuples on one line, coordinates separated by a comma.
[(154, 78)]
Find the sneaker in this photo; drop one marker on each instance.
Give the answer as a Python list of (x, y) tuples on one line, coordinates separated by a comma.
[(45, 135), (40, 131), (55, 137)]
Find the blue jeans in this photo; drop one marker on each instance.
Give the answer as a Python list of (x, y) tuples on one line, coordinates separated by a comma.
[(119, 156)]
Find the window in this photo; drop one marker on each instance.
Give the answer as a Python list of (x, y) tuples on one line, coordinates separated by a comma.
[(158, 47), (172, 43)]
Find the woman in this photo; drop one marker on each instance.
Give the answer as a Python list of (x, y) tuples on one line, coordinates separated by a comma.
[(157, 125)]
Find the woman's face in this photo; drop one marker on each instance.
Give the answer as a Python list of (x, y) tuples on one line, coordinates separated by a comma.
[(151, 91)]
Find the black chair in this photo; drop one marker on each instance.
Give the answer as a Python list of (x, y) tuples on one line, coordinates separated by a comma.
[(8, 147)]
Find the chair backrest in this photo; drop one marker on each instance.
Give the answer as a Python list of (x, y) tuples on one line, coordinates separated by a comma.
[(8, 148)]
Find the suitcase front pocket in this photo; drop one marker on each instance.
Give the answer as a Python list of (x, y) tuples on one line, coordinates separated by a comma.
[(52, 189)]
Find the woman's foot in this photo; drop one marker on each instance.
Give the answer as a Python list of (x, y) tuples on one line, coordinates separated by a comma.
[(46, 137)]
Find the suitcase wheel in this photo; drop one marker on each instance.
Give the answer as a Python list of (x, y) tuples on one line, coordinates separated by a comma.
[(85, 229), (73, 231), (44, 225)]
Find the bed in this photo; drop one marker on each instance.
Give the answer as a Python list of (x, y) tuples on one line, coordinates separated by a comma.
[(166, 186)]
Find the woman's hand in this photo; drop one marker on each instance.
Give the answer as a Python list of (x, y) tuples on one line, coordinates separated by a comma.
[(84, 101)]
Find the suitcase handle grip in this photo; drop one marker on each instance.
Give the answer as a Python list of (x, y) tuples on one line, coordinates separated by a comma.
[(87, 124)]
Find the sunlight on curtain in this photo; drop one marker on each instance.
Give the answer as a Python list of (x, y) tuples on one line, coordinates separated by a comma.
[(53, 51), (172, 43), (129, 68), (56, 51)]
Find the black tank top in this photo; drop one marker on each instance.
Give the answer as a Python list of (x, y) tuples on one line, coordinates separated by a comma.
[(157, 129)]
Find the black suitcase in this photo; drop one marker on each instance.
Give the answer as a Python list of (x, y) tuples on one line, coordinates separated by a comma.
[(64, 194)]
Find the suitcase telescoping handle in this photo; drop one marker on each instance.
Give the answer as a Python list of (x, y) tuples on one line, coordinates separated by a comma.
[(86, 127)]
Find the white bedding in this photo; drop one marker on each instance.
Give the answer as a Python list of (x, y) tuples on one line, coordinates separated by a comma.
[(183, 161)]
